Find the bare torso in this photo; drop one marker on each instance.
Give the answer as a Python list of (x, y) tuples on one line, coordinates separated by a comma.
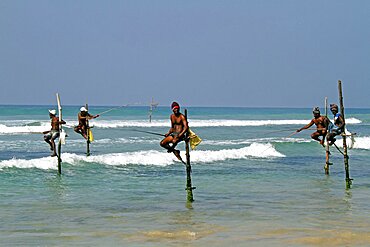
[(178, 123), (82, 119), (320, 122), (55, 123)]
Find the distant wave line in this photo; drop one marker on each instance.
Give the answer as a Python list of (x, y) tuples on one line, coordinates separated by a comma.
[(45, 125)]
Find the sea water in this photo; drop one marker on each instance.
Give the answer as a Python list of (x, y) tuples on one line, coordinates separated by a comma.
[(257, 183)]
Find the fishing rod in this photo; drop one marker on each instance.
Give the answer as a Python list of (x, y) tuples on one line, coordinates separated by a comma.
[(296, 132), (278, 131), (291, 129), (149, 132), (114, 108)]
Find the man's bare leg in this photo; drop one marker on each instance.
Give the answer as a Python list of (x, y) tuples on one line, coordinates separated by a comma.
[(53, 149)]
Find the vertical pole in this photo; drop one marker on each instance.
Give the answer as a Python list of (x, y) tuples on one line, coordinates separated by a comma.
[(327, 162), (88, 133), (189, 187), (346, 165), (59, 158), (150, 111), (59, 141)]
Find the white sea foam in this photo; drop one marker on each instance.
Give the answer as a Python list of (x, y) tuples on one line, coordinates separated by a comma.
[(257, 140), (255, 150), (362, 143), (40, 126), (206, 123), (41, 163), (151, 157), (22, 129)]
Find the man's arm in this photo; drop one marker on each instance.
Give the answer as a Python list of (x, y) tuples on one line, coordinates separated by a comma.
[(341, 120), (89, 116), (306, 127)]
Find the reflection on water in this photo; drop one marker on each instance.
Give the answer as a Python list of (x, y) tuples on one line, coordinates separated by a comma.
[(56, 187)]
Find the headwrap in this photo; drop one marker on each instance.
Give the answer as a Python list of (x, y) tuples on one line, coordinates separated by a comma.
[(316, 110), (333, 106), (175, 105), (53, 112), (83, 109)]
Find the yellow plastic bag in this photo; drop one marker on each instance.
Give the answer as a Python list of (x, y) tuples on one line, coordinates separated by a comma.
[(194, 139), (91, 136)]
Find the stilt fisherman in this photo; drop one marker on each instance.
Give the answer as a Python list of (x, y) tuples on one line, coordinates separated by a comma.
[(338, 127), (51, 135), (83, 116), (176, 133), (321, 123)]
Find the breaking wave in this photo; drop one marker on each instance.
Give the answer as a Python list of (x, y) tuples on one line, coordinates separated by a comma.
[(12, 130), (152, 157), (362, 143), (207, 123)]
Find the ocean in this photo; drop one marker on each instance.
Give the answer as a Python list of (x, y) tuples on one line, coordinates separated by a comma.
[(256, 184)]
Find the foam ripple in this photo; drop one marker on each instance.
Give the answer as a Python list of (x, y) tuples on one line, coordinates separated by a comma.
[(151, 157)]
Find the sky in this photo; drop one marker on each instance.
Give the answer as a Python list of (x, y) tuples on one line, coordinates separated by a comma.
[(247, 53)]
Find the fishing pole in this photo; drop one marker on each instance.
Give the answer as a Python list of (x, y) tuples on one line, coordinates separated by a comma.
[(149, 132), (295, 132), (278, 131), (111, 109)]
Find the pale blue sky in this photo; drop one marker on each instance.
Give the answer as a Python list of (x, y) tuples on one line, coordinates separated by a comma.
[(201, 53)]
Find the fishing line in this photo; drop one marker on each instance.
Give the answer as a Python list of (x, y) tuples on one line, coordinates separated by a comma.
[(278, 131), (296, 132), (149, 132), (116, 108)]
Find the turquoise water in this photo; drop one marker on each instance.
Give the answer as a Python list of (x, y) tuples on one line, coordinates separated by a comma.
[(255, 186)]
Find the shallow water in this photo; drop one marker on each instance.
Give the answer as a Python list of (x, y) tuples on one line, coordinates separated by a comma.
[(255, 185)]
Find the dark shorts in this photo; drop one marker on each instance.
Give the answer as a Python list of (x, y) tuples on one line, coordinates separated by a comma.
[(334, 129), (53, 134), (173, 134)]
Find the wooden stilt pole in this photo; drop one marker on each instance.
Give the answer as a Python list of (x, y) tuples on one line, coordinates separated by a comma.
[(189, 187), (346, 164), (150, 111), (327, 161), (152, 106), (59, 141), (59, 158), (88, 133)]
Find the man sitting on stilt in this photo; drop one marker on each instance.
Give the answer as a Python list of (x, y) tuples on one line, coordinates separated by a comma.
[(321, 123), (51, 135), (176, 133), (338, 127)]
